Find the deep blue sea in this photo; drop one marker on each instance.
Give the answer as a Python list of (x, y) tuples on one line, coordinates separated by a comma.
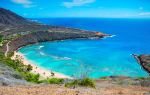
[(94, 58)]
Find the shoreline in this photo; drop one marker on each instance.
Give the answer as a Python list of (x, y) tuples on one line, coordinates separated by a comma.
[(44, 73), (90, 38)]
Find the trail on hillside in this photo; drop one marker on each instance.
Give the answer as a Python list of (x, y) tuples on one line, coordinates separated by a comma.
[(7, 49)]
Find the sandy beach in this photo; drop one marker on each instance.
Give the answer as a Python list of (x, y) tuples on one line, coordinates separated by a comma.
[(44, 73)]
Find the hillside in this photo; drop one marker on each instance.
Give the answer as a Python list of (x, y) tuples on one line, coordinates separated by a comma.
[(9, 77), (9, 18), (15, 28)]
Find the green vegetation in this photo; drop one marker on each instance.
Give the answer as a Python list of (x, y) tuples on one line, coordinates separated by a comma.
[(24, 70), (29, 67), (53, 81), (85, 82), (34, 78), (1, 40), (141, 78)]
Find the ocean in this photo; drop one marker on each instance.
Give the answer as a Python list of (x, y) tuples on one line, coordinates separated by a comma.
[(98, 57)]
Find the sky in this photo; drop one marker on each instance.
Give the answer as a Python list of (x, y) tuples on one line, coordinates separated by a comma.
[(79, 8)]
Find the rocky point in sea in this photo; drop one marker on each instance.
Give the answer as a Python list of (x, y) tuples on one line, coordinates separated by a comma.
[(144, 61)]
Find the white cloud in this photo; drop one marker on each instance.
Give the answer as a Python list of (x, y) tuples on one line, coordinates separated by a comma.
[(77, 3), (25, 3), (144, 14)]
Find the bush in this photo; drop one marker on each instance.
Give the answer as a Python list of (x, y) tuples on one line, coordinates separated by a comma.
[(86, 82), (141, 78), (31, 77), (29, 67), (53, 81), (73, 83), (1, 38)]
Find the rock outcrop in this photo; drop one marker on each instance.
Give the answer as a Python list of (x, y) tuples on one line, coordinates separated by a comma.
[(144, 61)]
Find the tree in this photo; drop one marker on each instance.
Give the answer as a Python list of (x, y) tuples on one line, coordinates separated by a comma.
[(29, 67)]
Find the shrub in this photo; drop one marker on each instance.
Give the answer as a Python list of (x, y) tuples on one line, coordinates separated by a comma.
[(31, 77), (1, 38), (29, 67), (141, 78), (86, 82), (73, 83), (54, 81)]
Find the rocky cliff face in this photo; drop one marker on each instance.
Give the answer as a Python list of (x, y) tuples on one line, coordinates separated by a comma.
[(144, 61), (9, 77)]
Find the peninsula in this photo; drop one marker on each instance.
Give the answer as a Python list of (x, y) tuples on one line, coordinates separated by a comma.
[(18, 31), (144, 61)]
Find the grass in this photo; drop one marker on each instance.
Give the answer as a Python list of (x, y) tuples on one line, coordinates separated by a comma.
[(143, 78), (53, 81), (85, 82), (1, 40)]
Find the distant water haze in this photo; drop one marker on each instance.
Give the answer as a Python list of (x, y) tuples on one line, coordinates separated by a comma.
[(94, 58)]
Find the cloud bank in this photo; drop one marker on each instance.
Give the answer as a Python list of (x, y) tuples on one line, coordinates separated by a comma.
[(25, 3), (144, 14), (77, 3)]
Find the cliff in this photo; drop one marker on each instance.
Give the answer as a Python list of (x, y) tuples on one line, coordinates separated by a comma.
[(144, 61)]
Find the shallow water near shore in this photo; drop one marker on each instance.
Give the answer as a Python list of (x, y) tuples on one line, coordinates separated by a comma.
[(98, 57)]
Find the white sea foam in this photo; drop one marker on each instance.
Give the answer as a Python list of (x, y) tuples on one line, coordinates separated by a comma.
[(60, 58), (67, 58), (42, 53), (112, 36), (41, 47), (109, 36)]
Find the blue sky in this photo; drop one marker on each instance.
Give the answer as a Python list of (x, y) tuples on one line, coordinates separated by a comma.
[(79, 8)]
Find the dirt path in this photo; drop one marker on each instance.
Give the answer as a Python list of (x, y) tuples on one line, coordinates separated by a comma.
[(7, 49)]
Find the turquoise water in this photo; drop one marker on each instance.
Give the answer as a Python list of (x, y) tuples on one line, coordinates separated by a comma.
[(95, 58)]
